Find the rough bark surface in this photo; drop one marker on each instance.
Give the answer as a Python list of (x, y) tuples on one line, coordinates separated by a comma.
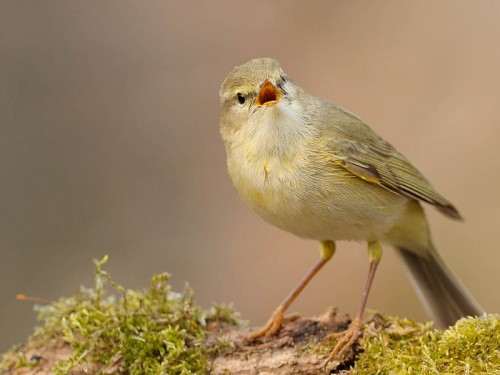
[(293, 351)]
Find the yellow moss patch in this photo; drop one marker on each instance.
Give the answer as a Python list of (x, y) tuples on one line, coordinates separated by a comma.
[(472, 346)]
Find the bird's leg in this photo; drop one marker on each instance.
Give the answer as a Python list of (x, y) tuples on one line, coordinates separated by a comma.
[(278, 317), (350, 336)]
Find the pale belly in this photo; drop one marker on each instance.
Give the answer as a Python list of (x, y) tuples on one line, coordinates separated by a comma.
[(333, 206)]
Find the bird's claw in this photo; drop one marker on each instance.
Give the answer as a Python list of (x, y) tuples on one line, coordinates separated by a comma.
[(273, 324), (348, 339)]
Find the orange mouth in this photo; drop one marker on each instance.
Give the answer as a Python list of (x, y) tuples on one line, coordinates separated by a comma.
[(268, 95)]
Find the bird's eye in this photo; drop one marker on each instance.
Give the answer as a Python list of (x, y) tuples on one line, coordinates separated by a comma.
[(241, 98)]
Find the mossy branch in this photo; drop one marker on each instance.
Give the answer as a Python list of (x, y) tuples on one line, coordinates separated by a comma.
[(109, 329)]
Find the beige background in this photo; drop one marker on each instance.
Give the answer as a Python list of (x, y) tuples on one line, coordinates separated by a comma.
[(109, 143)]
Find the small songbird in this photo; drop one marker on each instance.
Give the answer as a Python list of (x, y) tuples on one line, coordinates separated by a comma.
[(316, 170)]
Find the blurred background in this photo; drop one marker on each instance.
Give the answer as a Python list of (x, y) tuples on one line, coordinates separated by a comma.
[(110, 144)]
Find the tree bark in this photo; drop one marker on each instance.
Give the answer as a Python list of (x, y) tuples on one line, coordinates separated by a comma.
[(299, 348)]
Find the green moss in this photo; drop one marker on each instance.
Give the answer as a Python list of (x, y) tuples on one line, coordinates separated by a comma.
[(128, 331), (472, 346), (110, 329)]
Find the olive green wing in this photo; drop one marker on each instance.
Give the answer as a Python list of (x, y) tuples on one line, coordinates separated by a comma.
[(363, 153)]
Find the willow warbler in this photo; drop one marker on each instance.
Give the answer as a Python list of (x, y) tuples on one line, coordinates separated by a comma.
[(316, 170)]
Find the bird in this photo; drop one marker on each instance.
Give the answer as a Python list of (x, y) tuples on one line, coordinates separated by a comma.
[(316, 170)]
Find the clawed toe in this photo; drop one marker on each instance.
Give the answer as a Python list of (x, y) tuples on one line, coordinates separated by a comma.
[(349, 338), (273, 325)]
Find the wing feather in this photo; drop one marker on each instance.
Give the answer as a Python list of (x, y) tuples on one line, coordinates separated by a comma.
[(363, 153)]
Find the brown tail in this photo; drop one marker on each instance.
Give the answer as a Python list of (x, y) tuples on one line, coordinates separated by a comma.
[(443, 296)]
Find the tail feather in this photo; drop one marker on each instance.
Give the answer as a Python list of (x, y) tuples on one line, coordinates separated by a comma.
[(444, 297)]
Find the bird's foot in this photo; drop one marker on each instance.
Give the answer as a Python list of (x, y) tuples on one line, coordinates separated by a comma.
[(348, 339), (273, 324)]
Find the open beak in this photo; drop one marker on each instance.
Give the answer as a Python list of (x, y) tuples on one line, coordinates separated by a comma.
[(269, 95)]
